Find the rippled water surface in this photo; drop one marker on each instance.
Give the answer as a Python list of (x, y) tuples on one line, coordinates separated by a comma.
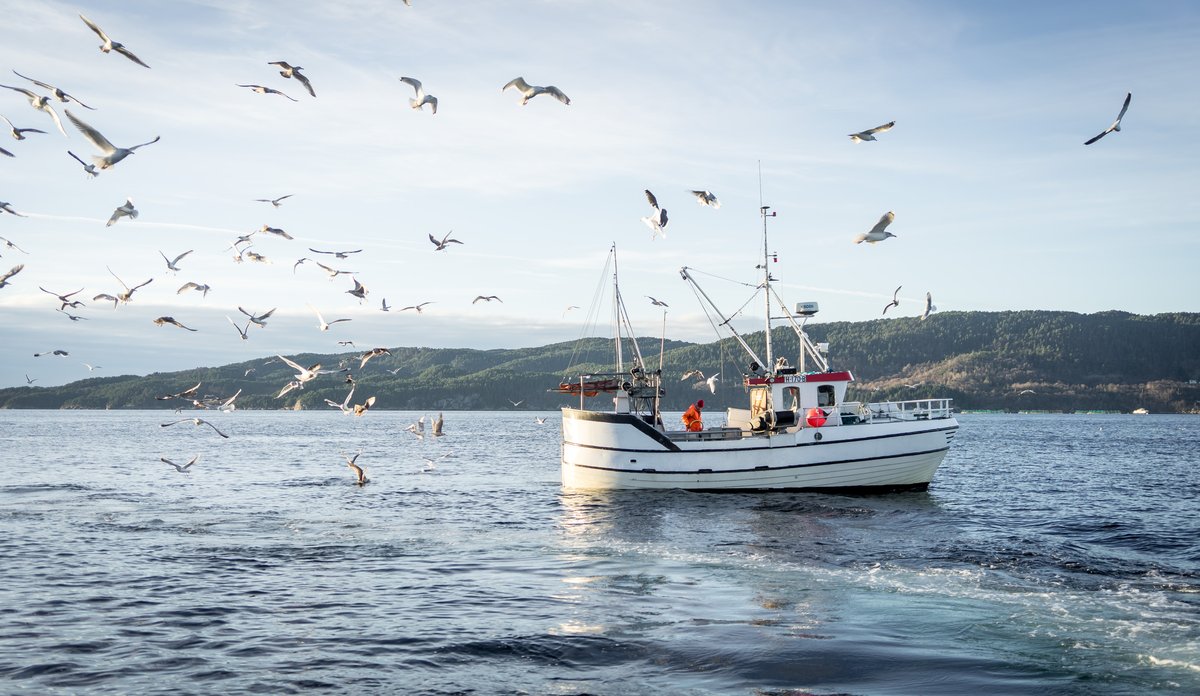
[(1051, 555)]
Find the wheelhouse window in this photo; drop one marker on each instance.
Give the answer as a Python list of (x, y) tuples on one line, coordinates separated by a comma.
[(791, 397), (825, 397)]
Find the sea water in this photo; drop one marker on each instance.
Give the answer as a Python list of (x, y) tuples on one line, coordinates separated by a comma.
[(1053, 554)]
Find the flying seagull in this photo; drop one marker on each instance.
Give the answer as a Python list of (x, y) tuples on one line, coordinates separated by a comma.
[(384, 306), (7, 208), (657, 220), (895, 300), (529, 91), (173, 322), (293, 71), (321, 323), (336, 254), (128, 294), (258, 320), (171, 262), (110, 45), (418, 307), (707, 198), (712, 382), (40, 103), (11, 272), (125, 210), (1116, 125), (185, 394), (438, 423), (268, 90), (29, 380), (441, 245), (19, 133), (879, 232), (8, 243), (303, 374), (360, 476), (194, 421), (360, 291), (421, 99), (657, 302), (6, 153), (201, 288), (275, 231), (692, 374), (486, 298), (373, 353), (181, 468), (241, 332), (274, 201), (65, 299), (869, 134), (111, 154), (56, 351), (928, 306), (55, 92), (90, 169)]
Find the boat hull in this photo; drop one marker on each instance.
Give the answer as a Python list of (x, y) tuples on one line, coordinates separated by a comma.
[(609, 451)]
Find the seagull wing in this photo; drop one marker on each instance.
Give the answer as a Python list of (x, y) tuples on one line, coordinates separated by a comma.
[(653, 201), (92, 134), (98, 30), (558, 94), (39, 83), (129, 54), (201, 420), (880, 129), (518, 82), (304, 81), (415, 84), (177, 258), (1124, 108), (289, 363), (884, 221)]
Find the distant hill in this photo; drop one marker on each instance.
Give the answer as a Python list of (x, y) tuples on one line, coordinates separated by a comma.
[(1030, 360)]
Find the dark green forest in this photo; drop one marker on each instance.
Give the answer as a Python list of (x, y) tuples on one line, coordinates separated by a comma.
[(1029, 360)]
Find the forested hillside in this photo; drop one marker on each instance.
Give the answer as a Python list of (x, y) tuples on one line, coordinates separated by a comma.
[(1031, 360)]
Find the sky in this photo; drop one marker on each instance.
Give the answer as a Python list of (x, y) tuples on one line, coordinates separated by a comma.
[(998, 204)]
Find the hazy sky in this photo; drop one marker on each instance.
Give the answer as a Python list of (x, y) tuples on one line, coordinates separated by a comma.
[(998, 203)]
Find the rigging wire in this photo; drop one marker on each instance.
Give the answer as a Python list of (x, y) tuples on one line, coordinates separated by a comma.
[(590, 322)]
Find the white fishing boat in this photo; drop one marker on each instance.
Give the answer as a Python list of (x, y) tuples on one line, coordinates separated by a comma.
[(797, 431)]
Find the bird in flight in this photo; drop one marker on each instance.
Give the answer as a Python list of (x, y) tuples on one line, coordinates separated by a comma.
[(879, 232), (707, 198), (241, 332), (181, 468), (201, 288), (90, 169), (59, 353), (194, 421), (65, 299), (321, 323), (274, 201), (529, 91), (12, 272), (486, 298), (128, 294), (359, 290), (171, 262), (895, 300), (40, 103), (275, 231), (1116, 125), (173, 322), (29, 380), (293, 72), (869, 134), (692, 374), (417, 307), (441, 245), (657, 302), (124, 210), (111, 154), (657, 220), (54, 92), (258, 320), (928, 306), (336, 254), (360, 476), (421, 99), (7, 208), (110, 45), (373, 353), (267, 90), (19, 133)]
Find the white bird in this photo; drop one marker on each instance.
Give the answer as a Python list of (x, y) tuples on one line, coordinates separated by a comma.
[(268, 90), (171, 262), (29, 380), (516, 403), (321, 323), (895, 300), (336, 254), (657, 220), (9, 244), (241, 332), (227, 405), (437, 425), (40, 103), (417, 307), (7, 208), (486, 298), (441, 245), (657, 302), (421, 99), (293, 71), (125, 210), (110, 45), (360, 476), (181, 468), (128, 294), (928, 306), (373, 353), (194, 421), (275, 231), (345, 405), (869, 134), (274, 201), (258, 320), (11, 272), (19, 133), (198, 287), (707, 198), (90, 169), (529, 91), (54, 92), (303, 374), (111, 154), (173, 322), (540, 420), (1116, 125), (360, 291), (692, 374), (878, 233), (93, 368), (712, 382)]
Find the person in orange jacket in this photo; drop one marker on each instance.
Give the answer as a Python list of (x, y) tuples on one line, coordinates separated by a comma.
[(691, 417)]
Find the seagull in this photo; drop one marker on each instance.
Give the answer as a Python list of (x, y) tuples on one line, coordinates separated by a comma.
[(227, 404), (416, 307), (275, 201), (275, 231), (869, 134), (186, 393), (303, 374), (914, 386), (107, 297), (54, 92), (111, 153), (89, 168), (172, 321), (895, 300), (712, 383), (345, 405), (373, 353), (255, 256), (486, 298), (72, 317), (171, 262), (657, 302), (40, 103), (7, 208), (431, 463), (360, 409), (194, 421), (193, 286), (359, 291), (1023, 391), (28, 380), (417, 428), (268, 90), (345, 343), (928, 306), (259, 320), (336, 254), (181, 468), (126, 210), (878, 233), (707, 198), (65, 299), (540, 420), (1116, 125), (437, 425), (19, 133), (290, 71), (692, 374), (332, 272), (569, 308), (657, 221), (384, 306), (360, 476), (110, 45), (516, 403), (241, 331), (92, 368), (530, 91), (6, 153), (422, 99), (128, 294), (439, 246), (324, 325), (59, 353), (8, 243)]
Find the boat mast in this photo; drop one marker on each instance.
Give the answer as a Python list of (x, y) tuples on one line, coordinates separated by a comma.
[(769, 368), (617, 310)]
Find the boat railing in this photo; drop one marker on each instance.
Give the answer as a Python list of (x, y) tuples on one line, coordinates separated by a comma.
[(914, 409)]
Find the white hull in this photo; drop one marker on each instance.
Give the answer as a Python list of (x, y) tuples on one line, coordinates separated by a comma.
[(608, 450)]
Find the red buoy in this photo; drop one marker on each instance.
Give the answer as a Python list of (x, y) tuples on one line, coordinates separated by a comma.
[(815, 417)]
